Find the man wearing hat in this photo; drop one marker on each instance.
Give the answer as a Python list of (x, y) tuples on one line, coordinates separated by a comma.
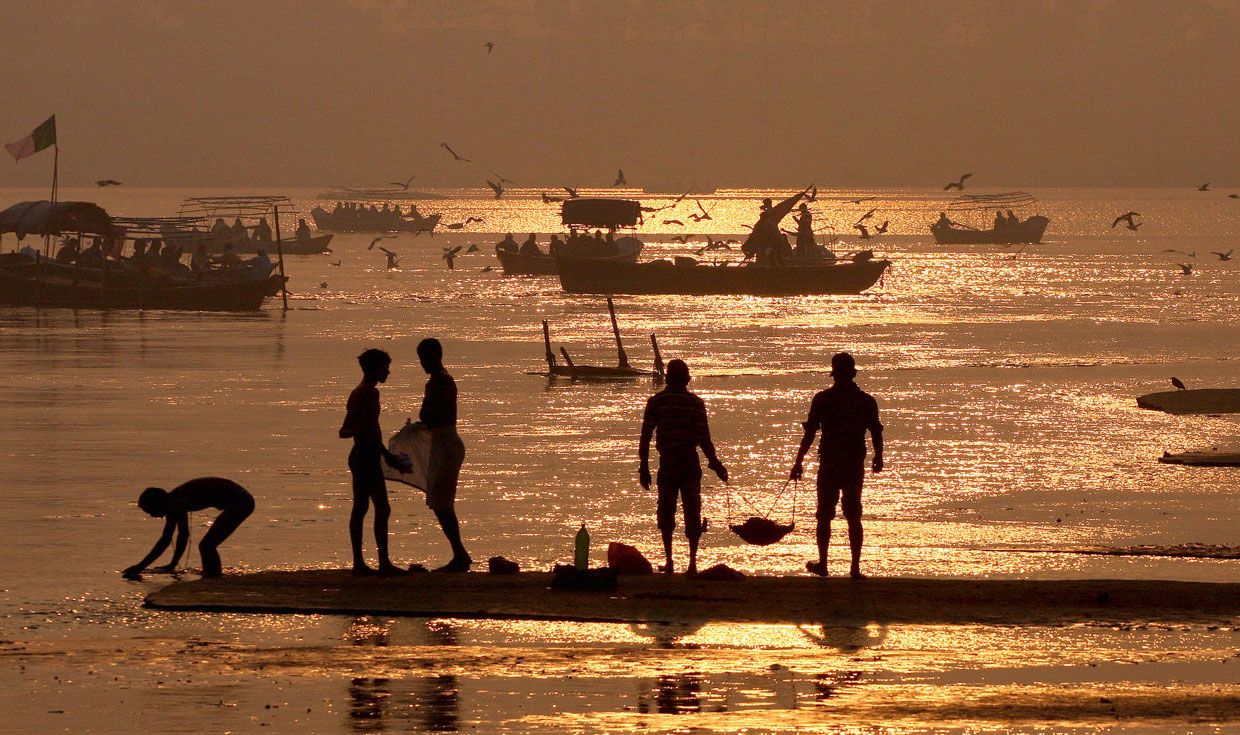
[(844, 413), (679, 418)]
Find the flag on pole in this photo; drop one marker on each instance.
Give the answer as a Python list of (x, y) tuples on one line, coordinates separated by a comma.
[(41, 137)]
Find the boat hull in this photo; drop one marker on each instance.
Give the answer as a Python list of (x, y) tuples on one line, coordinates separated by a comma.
[(329, 223), (315, 245), (24, 282), (1029, 231), (516, 264), (661, 277)]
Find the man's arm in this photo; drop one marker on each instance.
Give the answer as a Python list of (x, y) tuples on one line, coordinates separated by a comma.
[(182, 540), (156, 551), (807, 440), (708, 447), (876, 436), (643, 447)]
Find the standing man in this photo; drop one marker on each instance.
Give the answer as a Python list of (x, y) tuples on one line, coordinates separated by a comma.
[(447, 450), (844, 412), (679, 418), (361, 424)]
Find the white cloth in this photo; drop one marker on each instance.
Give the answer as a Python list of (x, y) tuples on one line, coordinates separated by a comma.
[(414, 441)]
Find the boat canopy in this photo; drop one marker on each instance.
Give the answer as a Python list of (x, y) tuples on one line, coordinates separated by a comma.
[(1004, 200), (165, 228), (596, 212), (52, 218), (242, 206)]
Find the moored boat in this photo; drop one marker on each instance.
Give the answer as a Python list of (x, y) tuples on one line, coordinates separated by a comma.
[(356, 220), (252, 212), (687, 276), (580, 215)]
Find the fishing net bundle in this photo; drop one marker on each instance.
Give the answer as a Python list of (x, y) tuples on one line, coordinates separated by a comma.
[(760, 529)]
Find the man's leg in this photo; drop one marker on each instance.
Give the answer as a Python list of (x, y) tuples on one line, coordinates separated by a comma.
[(452, 529), (665, 513), (828, 496), (357, 517), (443, 473), (852, 513), (691, 501), (383, 511), (221, 529)]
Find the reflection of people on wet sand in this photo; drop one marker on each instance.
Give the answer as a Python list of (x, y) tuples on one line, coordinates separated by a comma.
[(665, 634), (174, 507), (844, 638), (844, 412), (677, 420), (361, 424), (447, 450)]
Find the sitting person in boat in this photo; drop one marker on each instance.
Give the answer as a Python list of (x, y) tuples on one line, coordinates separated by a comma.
[(239, 232), (228, 258), (174, 507), (1001, 222), (92, 257), (530, 246), (170, 259), (555, 246), (944, 221), (303, 230), (508, 244), (260, 265), (69, 251), (1013, 220), (220, 232), (199, 260), (262, 231), (154, 255), (807, 248)]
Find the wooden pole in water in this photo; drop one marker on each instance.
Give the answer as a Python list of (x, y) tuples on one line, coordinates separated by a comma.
[(615, 329), (658, 359), (280, 254), (547, 346), (572, 369)]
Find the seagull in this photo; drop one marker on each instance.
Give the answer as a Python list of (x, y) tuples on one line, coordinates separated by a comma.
[(489, 46), (812, 196), (107, 182), (1233, 196), (1223, 256), (958, 185), (1204, 187), (405, 185), (858, 201), (375, 241), (392, 258), (486, 270), (867, 215), (473, 248), (455, 225), (572, 193), (449, 254), (1186, 267), (704, 215), (337, 264), (865, 234), (713, 245), (455, 157), (468, 220), (881, 229), (1127, 217), (673, 222), (620, 180), (1179, 384), (498, 189), (683, 239), (548, 199), (500, 179), (323, 284)]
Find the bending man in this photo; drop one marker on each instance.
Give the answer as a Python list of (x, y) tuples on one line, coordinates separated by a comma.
[(174, 507)]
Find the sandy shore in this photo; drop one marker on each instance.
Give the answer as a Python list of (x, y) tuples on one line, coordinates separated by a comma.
[(663, 598)]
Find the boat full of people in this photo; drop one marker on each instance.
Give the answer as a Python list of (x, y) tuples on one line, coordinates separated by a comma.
[(355, 216), (102, 263), (593, 225), (205, 221), (1006, 228)]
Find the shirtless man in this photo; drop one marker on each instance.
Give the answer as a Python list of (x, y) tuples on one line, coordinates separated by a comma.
[(361, 424), (174, 507), (447, 450)]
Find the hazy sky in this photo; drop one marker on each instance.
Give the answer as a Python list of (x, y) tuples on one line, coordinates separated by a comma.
[(709, 93)]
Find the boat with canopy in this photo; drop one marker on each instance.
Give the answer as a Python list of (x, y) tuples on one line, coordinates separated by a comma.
[(110, 280), (579, 216), (215, 224), (1003, 231), (361, 215)]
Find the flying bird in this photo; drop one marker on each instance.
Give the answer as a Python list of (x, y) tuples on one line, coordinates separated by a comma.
[(449, 254), (392, 258), (469, 220), (865, 233), (323, 284), (1233, 196), (107, 182), (858, 201), (1186, 267), (473, 248), (455, 225), (375, 241), (1127, 217), (498, 189), (713, 245), (455, 157), (704, 215), (1179, 384), (812, 196), (867, 215), (486, 270), (881, 229), (683, 239), (572, 193), (1204, 187), (549, 199), (1223, 256), (337, 264), (673, 222), (958, 185), (404, 185), (489, 46), (500, 179), (620, 180)]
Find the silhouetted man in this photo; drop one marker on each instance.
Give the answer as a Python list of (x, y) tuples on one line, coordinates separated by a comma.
[(361, 424), (844, 412), (677, 420), (447, 450), (174, 507)]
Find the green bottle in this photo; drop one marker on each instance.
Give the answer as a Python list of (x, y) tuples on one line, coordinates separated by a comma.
[(582, 560)]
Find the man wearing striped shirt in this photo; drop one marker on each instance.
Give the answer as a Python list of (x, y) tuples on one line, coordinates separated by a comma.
[(676, 419)]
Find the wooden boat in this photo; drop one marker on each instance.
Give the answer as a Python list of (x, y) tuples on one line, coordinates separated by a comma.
[(622, 370), (1198, 401), (687, 276), (1028, 231), (581, 215), (192, 225), (1203, 458), (329, 222)]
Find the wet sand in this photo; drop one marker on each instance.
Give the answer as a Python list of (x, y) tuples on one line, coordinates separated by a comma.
[(674, 598)]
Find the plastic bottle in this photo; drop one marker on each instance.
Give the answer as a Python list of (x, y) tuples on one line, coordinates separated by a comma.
[(582, 559)]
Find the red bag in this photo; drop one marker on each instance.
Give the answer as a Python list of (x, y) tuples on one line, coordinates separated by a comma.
[(625, 559)]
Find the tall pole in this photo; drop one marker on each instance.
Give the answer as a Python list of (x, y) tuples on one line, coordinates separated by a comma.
[(615, 329), (280, 254), (47, 236)]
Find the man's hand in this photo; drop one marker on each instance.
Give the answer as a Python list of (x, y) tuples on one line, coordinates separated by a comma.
[(643, 476), (877, 464), (720, 470), (797, 470), (134, 572)]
